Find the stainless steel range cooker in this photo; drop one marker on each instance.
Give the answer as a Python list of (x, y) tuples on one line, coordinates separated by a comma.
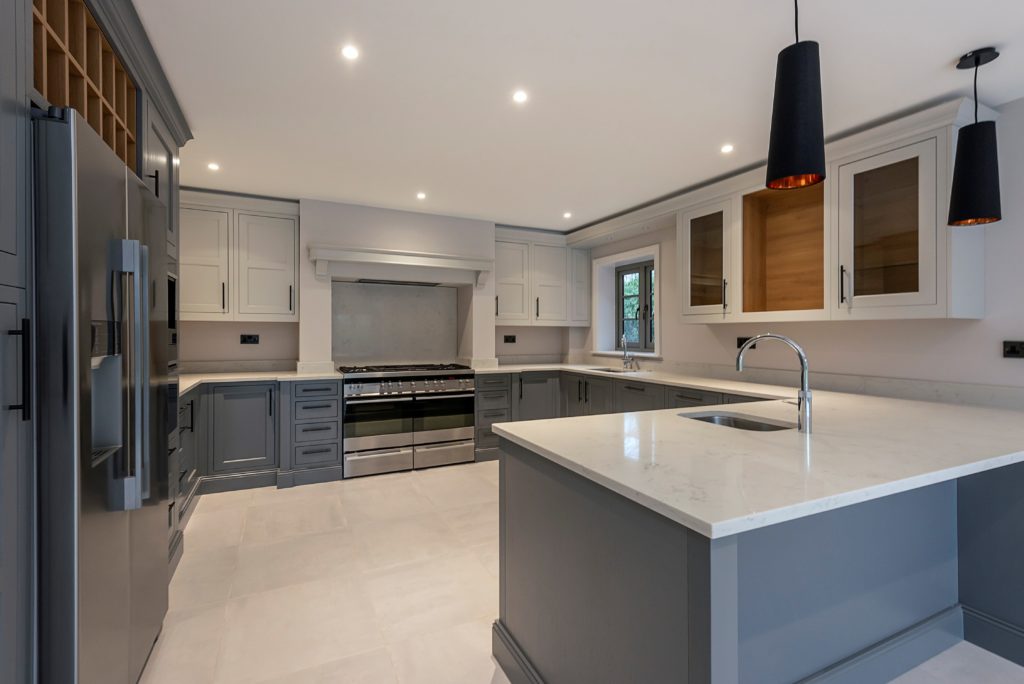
[(409, 416)]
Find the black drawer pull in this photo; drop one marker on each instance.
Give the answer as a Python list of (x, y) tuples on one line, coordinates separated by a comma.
[(493, 414), (310, 452), (315, 406), (633, 388), (309, 390), (317, 429)]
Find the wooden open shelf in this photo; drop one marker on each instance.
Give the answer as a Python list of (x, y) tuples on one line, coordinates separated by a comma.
[(74, 66), (784, 249)]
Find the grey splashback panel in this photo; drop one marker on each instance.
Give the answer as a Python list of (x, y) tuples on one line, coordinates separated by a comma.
[(391, 323)]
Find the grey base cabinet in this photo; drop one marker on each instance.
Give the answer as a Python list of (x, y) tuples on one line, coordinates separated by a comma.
[(311, 433), (586, 395), (685, 397), (493, 405), (536, 395), (638, 396), (243, 429)]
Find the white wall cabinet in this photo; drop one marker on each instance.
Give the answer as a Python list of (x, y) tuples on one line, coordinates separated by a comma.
[(540, 281), (238, 259), (873, 244)]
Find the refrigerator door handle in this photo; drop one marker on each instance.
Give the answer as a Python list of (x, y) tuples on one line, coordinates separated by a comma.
[(141, 361), (126, 490)]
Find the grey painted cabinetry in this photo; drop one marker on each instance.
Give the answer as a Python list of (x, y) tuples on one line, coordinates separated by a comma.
[(14, 132), (243, 431), (638, 396), (493, 405), (586, 395), (311, 447), (535, 395), (685, 397), (160, 170)]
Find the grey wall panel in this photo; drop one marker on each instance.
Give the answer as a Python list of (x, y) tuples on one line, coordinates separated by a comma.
[(595, 588), (819, 589), (991, 553)]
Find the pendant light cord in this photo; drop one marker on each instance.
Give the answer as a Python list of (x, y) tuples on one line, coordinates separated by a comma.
[(976, 65), (796, 19)]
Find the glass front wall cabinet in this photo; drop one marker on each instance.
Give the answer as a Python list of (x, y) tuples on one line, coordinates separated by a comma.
[(704, 256)]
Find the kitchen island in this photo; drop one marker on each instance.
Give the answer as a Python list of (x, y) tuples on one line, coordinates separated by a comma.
[(651, 547)]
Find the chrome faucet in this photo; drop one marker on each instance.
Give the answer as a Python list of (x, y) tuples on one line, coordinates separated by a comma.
[(629, 361), (803, 405)]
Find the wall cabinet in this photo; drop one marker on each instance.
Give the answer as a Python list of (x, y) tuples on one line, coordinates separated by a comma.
[(14, 145), (243, 429), (540, 282), (869, 243), (238, 259)]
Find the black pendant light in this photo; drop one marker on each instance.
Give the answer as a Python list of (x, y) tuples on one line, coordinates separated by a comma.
[(974, 199), (796, 151)]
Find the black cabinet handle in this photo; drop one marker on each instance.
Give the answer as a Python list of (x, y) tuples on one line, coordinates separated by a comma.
[(310, 407), (538, 307), (291, 299), (579, 391), (223, 296), (312, 390), (725, 294), (495, 305), (156, 181), (520, 387), (270, 404), (317, 429), (633, 388), (842, 284), (316, 451), (586, 392), (26, 370)]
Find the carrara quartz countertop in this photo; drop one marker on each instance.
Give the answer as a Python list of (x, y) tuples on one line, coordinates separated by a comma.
[(187, 381), (720, 481)]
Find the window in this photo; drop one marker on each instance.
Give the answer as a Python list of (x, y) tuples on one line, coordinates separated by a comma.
[(634, 306)]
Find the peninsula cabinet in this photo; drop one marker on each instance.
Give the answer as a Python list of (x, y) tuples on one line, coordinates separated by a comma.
[(238, 258), (540, 281), (871, 242)]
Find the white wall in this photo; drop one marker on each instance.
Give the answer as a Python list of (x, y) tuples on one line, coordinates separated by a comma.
[(534, 344), (361, 227), (949, 351), (219, 341)]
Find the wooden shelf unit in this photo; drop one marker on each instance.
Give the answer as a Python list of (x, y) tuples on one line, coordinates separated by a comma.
[(74, 66), (784, 249)]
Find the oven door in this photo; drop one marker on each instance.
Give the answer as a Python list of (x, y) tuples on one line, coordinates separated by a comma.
[(377, 423), (443, 418)]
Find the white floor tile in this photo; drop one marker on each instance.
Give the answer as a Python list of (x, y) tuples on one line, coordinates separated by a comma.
[(457, 654), (964, 663)]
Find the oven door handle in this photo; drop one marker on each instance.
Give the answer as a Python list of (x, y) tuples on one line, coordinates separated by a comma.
[(375, 454), (446, 396), (377, 401)]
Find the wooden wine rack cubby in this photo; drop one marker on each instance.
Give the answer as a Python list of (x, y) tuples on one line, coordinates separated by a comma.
[(74, 66)]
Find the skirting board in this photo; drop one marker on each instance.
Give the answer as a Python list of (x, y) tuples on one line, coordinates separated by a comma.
[(994, 635), (292, 478), (880, 662), (215, 484)]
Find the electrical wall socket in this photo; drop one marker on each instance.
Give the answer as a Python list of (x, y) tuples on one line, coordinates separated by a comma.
[(740, 341), (1013, 349), (510, 339), (250, 339)]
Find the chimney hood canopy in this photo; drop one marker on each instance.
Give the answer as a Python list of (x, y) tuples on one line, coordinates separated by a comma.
[(392, 264)]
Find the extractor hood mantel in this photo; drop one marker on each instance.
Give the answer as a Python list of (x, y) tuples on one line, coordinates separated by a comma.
[(443, 265)]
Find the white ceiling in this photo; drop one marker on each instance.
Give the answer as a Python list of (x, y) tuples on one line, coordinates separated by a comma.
[(628, 101)]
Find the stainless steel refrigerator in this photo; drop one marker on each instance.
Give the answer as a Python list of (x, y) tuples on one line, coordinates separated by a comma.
[(104, 406)]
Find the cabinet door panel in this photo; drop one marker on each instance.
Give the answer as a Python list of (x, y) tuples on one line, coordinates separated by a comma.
[(512, 281), (683, 397), (204, 265), (704, 258), (580, 285), (14, 151), (550, 283), (639, 396), (242, 424), (266, 265), (888, 229), (535, 396), (599, 396)]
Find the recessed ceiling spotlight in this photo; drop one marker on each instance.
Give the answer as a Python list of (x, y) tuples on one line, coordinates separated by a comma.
[(213, 166), (520, 96), (350, 52), (421, 195), (727, 148), (567, 215)]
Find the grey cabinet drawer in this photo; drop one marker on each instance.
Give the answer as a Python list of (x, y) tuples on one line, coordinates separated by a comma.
[(488, 417), (486, 439), (316, 408), (443, 454), (312, 390), (316, 432), (639, 396), (316, 454), (492, 399), (684, 397), (739, 399), (492, 382)]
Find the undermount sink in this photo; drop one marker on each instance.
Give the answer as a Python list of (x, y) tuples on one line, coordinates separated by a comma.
[(614, 370), (739, 422)]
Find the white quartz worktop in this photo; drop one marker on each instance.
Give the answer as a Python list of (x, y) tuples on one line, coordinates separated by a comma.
[(187, 381), (720, 481), (668, 379)]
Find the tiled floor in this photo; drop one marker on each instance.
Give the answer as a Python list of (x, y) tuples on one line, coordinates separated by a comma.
[(389, 579), (380, 580)]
